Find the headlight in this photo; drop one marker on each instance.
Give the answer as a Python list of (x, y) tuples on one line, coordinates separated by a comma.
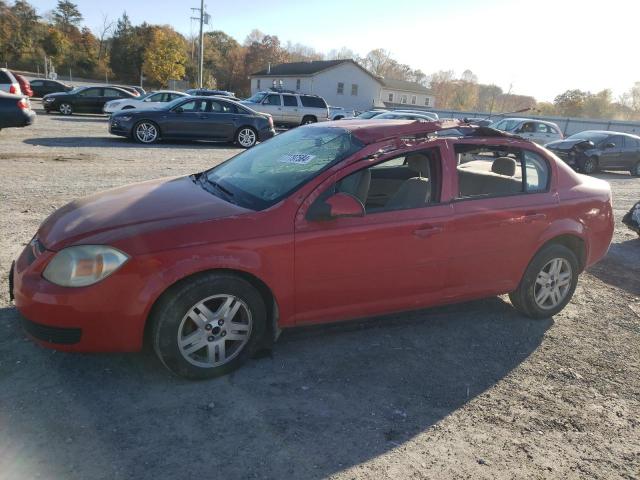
[(49, 100), (83, 265), (124, 118)]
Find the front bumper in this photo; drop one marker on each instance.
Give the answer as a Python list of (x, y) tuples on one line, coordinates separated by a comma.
[(119, 128), (266, 134), (108, 316)]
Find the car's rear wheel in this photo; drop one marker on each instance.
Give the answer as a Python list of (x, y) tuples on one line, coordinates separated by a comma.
[(590, 165), (146, 132), (309, 119), (548, 283), (208, 326), (635, 170), (65, 109), (246, 137)]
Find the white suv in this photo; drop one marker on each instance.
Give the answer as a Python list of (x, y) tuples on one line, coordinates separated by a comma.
[(290, 109), (8, 82)]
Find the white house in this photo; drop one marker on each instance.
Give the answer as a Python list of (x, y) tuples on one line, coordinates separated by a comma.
[(342, 83)]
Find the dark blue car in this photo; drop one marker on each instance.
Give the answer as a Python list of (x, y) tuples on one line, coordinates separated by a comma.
[(195, 118)]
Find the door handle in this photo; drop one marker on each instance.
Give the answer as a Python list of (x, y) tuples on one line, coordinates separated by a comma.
[(534, 217), (425, 232)]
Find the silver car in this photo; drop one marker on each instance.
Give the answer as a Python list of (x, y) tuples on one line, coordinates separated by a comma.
[(148, 100), (8, 82), (290, 109), (537, 131)]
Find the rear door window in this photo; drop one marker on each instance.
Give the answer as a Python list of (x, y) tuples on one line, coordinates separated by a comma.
[(5, 78)]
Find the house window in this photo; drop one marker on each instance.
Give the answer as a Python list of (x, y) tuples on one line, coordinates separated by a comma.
[(403, 99), (354, 89), (427, 101), (413, 100), (340, 88), (298, 84), (258, 85), (391, 97)]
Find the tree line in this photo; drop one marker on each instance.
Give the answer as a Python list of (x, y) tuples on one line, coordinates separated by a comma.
[(117, 50)]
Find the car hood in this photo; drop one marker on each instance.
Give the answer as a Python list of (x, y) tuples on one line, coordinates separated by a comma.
[(567, 144), (56, 94), (121, 213)]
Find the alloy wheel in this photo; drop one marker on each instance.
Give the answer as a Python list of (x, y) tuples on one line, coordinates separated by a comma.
[(66, 109), (146, 132), (246, 137), (553, 283), (214, 331)]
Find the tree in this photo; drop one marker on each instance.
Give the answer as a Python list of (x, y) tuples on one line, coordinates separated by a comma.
[(570, 103), (66, 15), (165, 56)]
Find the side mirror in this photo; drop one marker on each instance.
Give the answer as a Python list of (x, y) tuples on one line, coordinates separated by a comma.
[(336, 206), (609, 145), (178, 110)]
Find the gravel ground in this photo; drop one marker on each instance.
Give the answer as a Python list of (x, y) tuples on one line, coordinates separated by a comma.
[(467, 391)]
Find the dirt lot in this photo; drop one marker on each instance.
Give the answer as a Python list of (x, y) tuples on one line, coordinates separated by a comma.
[(468, 391)]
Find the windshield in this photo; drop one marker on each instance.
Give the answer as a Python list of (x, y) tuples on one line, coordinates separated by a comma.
[(145, 95), (265, 174), (257, 97), (172, 103), (371, 114), (76, 89), (595, 137)]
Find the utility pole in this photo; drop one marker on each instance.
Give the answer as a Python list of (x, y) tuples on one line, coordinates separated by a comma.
[(202, 18)]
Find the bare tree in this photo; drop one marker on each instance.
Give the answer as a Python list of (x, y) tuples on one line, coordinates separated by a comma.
[(103, 31)]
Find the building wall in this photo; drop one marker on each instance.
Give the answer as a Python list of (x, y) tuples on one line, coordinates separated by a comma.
[(398, 94), (325, 84)]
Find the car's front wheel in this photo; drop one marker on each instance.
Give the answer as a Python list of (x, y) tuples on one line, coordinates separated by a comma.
[(65, 109), (635, 170), (548, 283), (146, 132), (208, 326), (246, 137), (590, 165)]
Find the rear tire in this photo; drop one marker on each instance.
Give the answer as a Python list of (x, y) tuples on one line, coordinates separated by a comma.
[(230, 321), (635, 170), (246, 137), (306, 120), (590, 165), (548, 282)]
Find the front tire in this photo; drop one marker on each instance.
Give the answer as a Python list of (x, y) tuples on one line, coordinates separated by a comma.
[(635, 170), (548, 283), (65, 109), (146, 132), (208, 326), (246, 137), (590, 165)]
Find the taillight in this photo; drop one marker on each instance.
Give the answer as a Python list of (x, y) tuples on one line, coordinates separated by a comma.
[(13, 89), (270, 121), (23, 104)]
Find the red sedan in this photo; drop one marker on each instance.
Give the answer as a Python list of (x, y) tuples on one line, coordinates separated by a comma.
[(324, 223)]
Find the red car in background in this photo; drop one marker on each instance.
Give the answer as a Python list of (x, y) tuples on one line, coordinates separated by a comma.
[(25, 87), (326, 222)]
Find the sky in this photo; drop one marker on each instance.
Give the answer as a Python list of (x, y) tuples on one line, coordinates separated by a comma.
[(539, 48)]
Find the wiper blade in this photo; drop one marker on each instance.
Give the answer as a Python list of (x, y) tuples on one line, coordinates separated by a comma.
[(207, 183)]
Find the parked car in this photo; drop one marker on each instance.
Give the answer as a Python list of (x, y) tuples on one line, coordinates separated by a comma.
[(369, 114), (83, 99), (339, 113), (290, 109), (207, 92), (148, 100), (535, 130), (25, 87), (394, 115), (323, 223), (15, 111), (44, 87), (431, 115), (595, 150), (194, 118), (8, 82)]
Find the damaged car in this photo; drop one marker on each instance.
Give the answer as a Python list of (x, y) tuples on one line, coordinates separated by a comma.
[(325, 223), (594, 150)]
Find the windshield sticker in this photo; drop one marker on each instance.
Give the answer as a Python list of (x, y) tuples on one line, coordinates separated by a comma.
[(297, 158)]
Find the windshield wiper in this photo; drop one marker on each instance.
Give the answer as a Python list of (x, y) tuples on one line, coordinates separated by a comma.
[(204, 180)]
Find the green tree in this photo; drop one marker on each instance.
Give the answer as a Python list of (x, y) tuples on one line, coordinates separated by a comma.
[(570, 103), (66, 15)]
